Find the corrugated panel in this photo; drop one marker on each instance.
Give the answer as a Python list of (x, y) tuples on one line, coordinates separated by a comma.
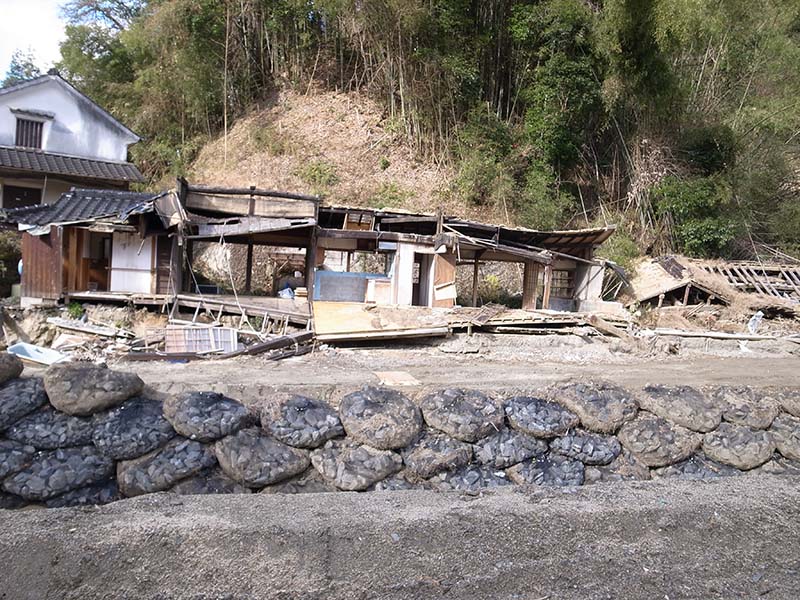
[(41, 269)]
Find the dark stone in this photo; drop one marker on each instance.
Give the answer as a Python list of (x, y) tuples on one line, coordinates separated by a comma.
[(398, 483), (308, 482), (255, 459), (14, 457), (589, 448), (302, 422), (210, 481), (467, 415), (657, 442), (354, 467), (59, 471), (205, 416), (48, 429), (626, 467), (549, 469), (744, 406), (602, 407), (380, 417), (11, 502), (82, 389), (99, 493), (161, 469), (683, 405), (507, 447), (471, 479), (20, 397), (10, 366), (697, 466), (539, 417), (435, 452), (786, 433), (739, 447), (132, 429)]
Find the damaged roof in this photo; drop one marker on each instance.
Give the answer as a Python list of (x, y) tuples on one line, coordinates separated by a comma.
[(80, 205), (38, 161)]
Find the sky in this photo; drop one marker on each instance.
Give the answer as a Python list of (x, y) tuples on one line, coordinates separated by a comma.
[(34, 24)]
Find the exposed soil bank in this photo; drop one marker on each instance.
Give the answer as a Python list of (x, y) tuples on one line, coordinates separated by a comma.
[(736, 537)]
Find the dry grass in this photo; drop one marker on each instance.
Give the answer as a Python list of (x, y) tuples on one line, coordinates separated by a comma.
[(339, 145)]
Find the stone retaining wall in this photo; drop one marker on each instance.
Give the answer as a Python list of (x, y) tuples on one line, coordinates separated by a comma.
[(85, 434)]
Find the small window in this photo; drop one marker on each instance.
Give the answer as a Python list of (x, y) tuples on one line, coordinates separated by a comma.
[(29, 133), (563, 284)]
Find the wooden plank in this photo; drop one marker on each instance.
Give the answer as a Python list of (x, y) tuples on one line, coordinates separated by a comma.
[(475, 269), (261, 206), (530, 281), (248, 274), (548, 283), (444, 280), (251, 191), (354, 320)]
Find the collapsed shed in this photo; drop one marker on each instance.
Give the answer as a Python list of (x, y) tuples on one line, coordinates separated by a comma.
[(138, 247)]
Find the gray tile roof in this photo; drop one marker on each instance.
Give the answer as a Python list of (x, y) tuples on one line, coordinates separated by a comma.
[(26, 159), (78, 206)]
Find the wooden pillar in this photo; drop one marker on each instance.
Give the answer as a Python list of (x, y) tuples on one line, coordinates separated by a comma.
[(311, 263), (248, 277), (530, 280), (475, 268), (548, 282)]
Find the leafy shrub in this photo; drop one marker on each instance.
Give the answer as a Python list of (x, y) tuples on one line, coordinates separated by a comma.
[(319, 174), (384, 163), (620, 248), (389, 195), (710, 149), (699, 209), (269, 139), (75, 310)]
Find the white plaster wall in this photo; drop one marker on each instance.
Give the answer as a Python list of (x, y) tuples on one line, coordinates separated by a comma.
[(77, 129)]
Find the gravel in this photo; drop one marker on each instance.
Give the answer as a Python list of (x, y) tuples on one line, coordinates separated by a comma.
[(589, 448), (539, 417), (303, 422), (14, 457), (467, 415), (49, 429), (255, 459), (132, 429), (507, 447), (308, 482), (59, 471), (354, 467), (626, 467), (20, 397), (657, 442), (602, 407), (380, 417), (550, 469), (163, 468), (205, 416), (82, 389), (683, 405)]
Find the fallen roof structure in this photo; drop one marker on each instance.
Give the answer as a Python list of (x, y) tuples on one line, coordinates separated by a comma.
[(777, 280)]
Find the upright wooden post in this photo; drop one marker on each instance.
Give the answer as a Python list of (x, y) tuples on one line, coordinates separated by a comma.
[(311, 263), (248, 277), (548, 282), (530, 280), (475, 268)]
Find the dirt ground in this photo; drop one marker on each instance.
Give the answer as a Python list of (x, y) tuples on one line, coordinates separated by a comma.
[(504, 363), (732, 538)]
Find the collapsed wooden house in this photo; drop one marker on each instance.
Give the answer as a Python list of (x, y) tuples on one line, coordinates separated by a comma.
[(138, 247)]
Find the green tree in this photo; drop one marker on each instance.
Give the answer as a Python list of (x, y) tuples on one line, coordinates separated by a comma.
[(22, 67)]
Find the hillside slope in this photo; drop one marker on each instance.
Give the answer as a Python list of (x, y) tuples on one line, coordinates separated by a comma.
[(334, 144)]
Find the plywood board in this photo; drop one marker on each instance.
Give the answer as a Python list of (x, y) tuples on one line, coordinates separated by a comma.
[(131, 263), (352, 320), (256, 206)]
